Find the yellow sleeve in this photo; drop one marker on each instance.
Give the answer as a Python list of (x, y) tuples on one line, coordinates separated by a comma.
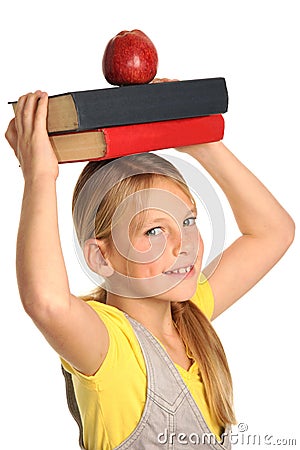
[(121, 335), (122, 343), (203, 297)]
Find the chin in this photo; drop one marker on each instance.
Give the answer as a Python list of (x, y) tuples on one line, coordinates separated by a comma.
[(181, 293)]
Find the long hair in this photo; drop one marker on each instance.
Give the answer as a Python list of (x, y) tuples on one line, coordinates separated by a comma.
[(92, 219)]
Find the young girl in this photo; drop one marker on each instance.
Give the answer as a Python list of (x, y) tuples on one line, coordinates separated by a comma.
[(144, 366)]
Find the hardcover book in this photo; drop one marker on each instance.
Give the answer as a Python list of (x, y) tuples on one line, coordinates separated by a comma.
[(136, 104), (114, 142)]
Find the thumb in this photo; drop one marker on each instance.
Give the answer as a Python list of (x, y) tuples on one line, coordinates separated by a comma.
[(11, 135)]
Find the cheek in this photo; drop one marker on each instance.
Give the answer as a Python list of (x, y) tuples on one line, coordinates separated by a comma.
[(140, 245), (199, 251), (146, 270), (201, 245), (142, 261), (147, 250), (117, 260)]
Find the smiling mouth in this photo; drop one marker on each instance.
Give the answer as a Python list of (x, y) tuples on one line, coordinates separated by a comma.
[(181, 270)]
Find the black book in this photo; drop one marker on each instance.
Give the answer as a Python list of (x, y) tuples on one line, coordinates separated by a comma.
[(136, 104)]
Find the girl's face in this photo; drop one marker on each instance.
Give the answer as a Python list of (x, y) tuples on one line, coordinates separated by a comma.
[(158, 247)]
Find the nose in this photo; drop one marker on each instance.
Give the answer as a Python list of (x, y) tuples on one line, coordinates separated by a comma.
[(177, 247), (187, 242)]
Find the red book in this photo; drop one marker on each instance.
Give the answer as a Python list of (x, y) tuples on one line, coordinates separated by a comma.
[(112, 142)]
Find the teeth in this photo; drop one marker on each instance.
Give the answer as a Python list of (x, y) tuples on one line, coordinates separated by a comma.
[(181, 270)]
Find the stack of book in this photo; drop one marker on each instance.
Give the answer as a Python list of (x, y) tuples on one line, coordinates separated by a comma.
[(113, 122)]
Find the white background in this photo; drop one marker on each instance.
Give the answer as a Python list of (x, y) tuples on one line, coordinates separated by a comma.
[(58, 47)]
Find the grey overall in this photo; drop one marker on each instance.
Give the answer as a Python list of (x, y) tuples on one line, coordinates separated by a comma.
[(171, 419)]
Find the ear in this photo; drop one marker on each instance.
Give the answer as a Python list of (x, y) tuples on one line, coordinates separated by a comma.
[(94, 258)]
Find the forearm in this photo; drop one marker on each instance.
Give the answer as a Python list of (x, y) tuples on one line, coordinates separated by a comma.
[(255, 209), (41, 272)]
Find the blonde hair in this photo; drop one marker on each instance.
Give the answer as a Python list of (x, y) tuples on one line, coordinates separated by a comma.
[(92, 219)]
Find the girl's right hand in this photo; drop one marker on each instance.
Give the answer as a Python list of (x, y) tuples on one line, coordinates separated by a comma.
[(27, 135)]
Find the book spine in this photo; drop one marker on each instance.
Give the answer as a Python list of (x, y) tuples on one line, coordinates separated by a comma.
[(132, 139), (147, 103)]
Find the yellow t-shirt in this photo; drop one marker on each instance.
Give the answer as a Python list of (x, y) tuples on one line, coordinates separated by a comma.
[(111, 402)]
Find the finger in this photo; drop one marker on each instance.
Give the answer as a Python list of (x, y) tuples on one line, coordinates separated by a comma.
[(19, 113), (11, 135), (40, 123), (29, 111), (163, 80)]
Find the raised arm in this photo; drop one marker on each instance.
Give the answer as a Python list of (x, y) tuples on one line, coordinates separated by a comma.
[(67, 322), (267, 229)]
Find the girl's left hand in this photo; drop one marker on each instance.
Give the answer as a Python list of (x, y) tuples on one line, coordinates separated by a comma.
[(195, 150), (162, 80)]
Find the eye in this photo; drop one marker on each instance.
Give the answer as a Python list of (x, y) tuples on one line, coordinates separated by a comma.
[(189, 221), (154, 231)]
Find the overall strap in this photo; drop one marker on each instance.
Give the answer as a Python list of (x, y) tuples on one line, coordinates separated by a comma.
[(164, 383), (166, 389), (72, 404)]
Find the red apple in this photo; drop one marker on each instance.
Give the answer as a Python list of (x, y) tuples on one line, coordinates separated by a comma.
[(130, 58)]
